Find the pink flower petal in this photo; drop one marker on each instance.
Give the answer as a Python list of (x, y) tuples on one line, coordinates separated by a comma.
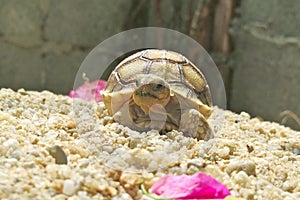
[(89, 91), (198, 186)]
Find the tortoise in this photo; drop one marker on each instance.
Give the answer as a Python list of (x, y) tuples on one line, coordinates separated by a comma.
[(162, 90)]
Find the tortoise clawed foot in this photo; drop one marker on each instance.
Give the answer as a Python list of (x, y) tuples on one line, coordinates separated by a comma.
[(194, 124)]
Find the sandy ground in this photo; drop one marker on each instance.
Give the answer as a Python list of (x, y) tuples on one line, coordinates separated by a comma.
[(105, 160)]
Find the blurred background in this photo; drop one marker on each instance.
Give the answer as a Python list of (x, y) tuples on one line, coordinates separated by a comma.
[(255, 44)]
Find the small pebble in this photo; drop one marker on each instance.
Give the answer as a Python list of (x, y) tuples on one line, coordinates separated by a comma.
[(247, 193), (123, 196), (107, 148), (198, 162), (11, 143), (69, 187), (241, 165), (296, 151), (58, 154), (11, 162), (82, 195), (241, 178), (52, 192), (245, 115), (83, 162), (16, 155), (224, 152), (289, 185)]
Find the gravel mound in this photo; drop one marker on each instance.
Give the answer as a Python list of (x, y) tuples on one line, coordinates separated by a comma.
[(55, 147)]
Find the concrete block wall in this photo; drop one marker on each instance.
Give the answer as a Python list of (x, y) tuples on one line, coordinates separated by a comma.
[(266, 59), (43, 42)]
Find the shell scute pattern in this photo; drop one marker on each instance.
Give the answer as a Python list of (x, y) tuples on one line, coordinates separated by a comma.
[(163, 84)]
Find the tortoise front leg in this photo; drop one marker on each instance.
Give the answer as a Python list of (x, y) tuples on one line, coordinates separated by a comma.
[(133, 117), (193, 124)]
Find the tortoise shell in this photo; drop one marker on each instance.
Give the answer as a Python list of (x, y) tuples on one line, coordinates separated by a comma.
[(154, 70)]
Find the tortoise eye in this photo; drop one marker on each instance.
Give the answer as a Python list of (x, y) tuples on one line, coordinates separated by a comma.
[(159, 86)]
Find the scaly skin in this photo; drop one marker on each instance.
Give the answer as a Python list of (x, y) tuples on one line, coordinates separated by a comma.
[(150, 94)]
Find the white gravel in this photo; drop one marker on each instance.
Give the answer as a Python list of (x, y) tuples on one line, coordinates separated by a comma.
[(105, 160), (69, 187), (11, 143)]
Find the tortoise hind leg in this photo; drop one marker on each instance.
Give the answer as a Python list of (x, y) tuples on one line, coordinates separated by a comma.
[(193, 124)]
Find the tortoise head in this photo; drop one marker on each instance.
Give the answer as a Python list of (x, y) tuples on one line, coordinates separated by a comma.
[(151, 93)]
